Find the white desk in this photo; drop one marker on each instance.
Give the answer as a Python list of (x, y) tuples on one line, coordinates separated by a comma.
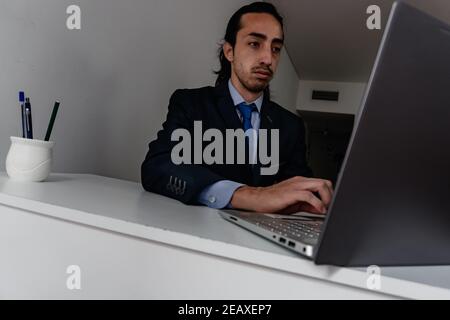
[(133, 244)]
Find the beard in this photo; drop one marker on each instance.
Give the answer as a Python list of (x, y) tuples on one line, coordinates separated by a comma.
[(252, 83), (255, 86)]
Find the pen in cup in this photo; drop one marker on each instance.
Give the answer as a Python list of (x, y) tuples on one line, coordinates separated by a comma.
[(52, 121), (22, 113), (29, 123)]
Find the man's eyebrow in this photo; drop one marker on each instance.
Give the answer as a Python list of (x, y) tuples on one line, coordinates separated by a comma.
[(264, 37)]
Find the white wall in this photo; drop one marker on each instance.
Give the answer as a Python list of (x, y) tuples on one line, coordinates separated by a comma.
[(350, 96), (114, 77), (284, 85)]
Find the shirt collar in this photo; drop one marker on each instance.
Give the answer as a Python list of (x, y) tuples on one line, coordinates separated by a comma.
[(237, 98)]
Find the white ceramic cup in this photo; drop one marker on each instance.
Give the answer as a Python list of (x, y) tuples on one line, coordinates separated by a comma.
[(29, 159)]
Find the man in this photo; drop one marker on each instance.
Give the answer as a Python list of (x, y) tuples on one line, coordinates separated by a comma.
[(249, 58)]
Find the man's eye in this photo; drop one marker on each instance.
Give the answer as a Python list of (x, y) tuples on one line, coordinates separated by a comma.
[(276, 50), (254, 44)]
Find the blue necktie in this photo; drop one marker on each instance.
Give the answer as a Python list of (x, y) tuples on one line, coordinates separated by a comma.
[(246, 112)]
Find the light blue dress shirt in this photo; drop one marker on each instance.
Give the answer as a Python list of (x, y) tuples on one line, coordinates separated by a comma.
[(218, 195)]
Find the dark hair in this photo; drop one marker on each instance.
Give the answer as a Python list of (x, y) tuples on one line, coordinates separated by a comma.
[(233, 27)]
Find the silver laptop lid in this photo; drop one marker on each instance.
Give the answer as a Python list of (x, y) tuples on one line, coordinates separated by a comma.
[(391, 204)]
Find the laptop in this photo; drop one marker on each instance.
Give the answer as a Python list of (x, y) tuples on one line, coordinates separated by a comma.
[(391, 203)]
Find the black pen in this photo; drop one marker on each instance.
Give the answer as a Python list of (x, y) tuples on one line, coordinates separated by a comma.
[(52, 121), (22, 112), (29, 122)]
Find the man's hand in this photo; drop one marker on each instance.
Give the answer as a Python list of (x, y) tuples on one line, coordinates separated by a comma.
[(290, 196)]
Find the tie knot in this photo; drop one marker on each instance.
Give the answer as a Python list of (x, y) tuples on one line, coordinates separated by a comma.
[(246, 109)]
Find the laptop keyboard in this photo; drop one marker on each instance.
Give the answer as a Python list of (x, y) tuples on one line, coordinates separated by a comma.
[(294, 229)]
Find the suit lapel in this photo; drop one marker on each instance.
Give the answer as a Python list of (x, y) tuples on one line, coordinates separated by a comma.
[(226, 107), (268, 121), (268, 117)]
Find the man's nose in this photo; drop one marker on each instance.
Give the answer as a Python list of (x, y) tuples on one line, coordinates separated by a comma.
[(266, 56)]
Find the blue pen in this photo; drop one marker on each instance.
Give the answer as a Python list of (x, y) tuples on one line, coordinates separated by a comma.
[(29, 127), (22, 112)]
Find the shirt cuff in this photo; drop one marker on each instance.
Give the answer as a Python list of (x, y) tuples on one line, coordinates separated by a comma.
[(218, 195)]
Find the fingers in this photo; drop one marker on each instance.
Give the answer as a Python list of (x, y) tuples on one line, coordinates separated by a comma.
[(323, 187), (299, 207), (306, 207), (297, 194), (311, 199), (328, 183), (298, 179)]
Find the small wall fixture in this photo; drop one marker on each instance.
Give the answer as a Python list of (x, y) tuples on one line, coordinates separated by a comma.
[(325, 95)]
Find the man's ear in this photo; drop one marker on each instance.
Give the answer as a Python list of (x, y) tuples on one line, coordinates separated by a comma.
[(228, 51)]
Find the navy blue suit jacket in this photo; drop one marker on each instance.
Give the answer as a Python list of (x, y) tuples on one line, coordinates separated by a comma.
[(214, 107)]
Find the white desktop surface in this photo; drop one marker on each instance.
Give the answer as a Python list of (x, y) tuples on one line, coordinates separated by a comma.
[(124, 208)]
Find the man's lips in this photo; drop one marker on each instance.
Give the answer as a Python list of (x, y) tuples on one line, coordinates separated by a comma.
[(264, 74)]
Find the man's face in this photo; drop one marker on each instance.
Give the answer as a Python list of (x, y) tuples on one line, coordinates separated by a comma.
[(256, 54)]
